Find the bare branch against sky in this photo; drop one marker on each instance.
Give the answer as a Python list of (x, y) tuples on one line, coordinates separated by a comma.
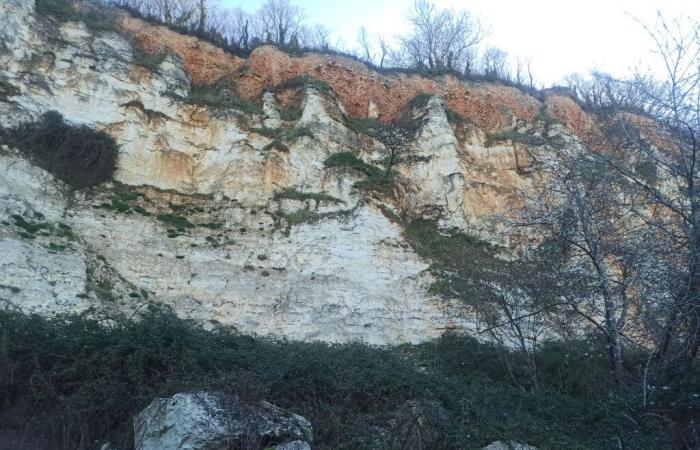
[(559, 37)]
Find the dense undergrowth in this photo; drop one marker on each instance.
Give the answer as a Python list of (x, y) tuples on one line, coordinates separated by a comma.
[(74, 381), (76, 154)]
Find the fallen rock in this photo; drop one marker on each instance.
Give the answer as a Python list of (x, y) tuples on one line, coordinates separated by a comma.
[(214, 421), (511, 445)]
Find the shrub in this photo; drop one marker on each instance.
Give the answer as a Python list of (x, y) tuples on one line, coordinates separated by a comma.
[(300, 216), (77, 155), (74, 381)]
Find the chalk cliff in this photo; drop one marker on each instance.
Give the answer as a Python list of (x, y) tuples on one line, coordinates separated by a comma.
[(229, 213)]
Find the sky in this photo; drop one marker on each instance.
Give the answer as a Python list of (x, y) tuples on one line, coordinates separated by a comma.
[(560, 37)]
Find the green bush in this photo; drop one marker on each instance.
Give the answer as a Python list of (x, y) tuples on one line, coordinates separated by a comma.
[(75, 381), (77, 155)]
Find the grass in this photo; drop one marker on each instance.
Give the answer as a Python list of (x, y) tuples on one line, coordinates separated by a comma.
[(221, 95), (515, 136), (122, 202), (290, 114), (376, 179), (364, 125), (300, 216), (348, 160), (30, 229), (70, 379), (284, 134), (306, 81), (318, 197), (457, 258), (419, 101), (179, 223)]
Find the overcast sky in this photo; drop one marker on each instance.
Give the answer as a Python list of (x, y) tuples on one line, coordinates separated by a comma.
[(559, 36)]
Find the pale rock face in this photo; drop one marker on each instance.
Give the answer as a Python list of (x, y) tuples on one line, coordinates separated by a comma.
[(439, 177), (32, 273), (344, 272), (372, 110)]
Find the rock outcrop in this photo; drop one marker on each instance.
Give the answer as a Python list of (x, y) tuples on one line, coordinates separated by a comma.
[(228, 213), (213, 421)]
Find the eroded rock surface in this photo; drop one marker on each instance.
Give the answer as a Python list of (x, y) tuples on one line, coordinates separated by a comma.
[(229, 214)]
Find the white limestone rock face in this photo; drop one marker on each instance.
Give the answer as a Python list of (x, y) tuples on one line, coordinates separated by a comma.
[(303, 269), (213, 421), (438, 173), (40, 268)]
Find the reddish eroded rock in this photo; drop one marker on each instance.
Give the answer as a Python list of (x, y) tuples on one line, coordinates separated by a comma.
[(362, 90), (565, 110), (489, 106), (204, 62)]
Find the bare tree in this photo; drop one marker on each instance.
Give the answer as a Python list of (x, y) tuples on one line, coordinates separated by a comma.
[(384, 49), (281, 21), (440, 39), (661, 161), (494, 64), (584, 206), (364, 41)]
